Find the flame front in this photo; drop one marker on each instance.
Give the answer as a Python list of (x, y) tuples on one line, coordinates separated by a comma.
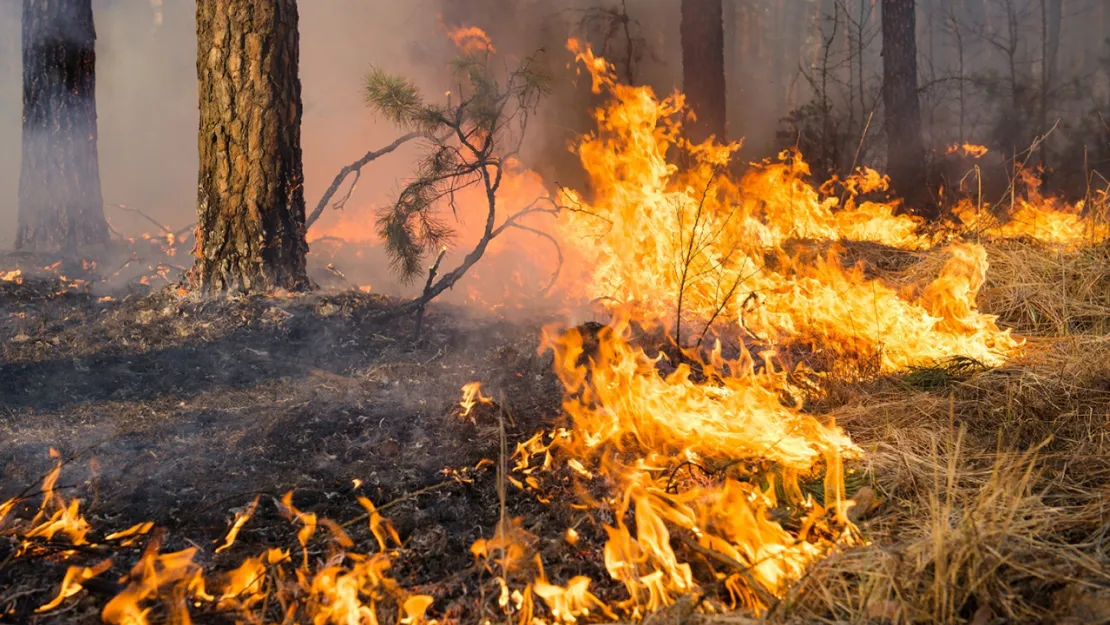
[(703, 452)]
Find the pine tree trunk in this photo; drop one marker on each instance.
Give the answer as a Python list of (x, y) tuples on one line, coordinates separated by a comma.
[(703, 67), (60, 204), (250, 205), (905, 153)]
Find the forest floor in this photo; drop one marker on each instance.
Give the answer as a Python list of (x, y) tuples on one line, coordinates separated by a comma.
[(990, 486)]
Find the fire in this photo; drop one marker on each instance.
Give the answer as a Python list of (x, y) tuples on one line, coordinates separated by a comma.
[(241, 519), (471, 40), (702, 257), (692, 247), (1034, 216), (71, 583), (344, 587), (968, 149), (472, 396), (683, 416), (55, 516)]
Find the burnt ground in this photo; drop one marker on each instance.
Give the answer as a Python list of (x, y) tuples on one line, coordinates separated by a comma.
[(181, 410)]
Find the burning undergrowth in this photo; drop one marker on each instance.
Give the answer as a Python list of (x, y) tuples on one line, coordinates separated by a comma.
[(795, 408)]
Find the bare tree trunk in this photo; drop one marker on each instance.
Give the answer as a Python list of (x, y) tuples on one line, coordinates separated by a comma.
[(250, 204), (703, 66), (905, 153), (1051, 17), (60, 204)]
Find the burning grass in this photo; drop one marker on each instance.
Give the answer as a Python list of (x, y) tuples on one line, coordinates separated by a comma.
[(763, 428), (980, 493)]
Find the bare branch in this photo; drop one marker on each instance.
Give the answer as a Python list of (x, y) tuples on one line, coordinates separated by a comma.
[(356, 168)]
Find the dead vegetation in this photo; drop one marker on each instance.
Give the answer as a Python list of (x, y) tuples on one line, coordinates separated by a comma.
[(985, 488), (989, 485)]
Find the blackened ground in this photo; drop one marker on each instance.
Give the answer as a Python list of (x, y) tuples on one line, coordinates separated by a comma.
[(182, 410)]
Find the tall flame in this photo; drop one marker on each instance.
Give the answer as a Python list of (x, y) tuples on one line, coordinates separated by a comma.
[(701, 255)]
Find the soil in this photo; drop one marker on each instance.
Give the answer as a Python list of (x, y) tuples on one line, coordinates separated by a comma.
[(181, 410)]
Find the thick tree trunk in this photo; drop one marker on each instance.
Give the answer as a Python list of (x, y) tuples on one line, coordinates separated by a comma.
[(250, 205), (703, 67), (905, 153), (60, 205)]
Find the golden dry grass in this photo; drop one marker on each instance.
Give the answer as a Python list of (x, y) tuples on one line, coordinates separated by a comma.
[(991, 487)]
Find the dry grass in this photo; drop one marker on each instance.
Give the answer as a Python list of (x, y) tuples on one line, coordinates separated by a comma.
[(993, 484)]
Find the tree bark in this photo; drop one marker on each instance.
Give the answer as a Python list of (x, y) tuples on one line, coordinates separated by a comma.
[(251, 213), (905, 153), (703, 67), (60, 203)]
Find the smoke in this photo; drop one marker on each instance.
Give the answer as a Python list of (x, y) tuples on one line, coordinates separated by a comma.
[(147, 100)]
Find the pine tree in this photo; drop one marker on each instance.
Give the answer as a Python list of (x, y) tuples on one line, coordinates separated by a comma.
[(250, 205), (60, 203), (905, 153), (703, 67)]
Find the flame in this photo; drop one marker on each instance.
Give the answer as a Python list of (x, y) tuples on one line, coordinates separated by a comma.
[(472, 396), (71, 583), (1034, 216), (968, 149), (693, 248), (471, 40), (695, 448), (128, 536), (173, 576), (65, 519), (241, 518)]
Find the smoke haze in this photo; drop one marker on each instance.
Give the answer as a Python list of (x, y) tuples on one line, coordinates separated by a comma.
[(147, 101)]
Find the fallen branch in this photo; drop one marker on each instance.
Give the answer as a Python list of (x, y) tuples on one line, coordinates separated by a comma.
[(356, 169)]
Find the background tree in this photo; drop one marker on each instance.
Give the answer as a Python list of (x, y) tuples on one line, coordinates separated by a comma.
[(60, 204), (905, 153), (703, 66), (251, 212)]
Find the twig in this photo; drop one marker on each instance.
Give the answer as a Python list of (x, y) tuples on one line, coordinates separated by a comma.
[(355, 168), (433, 271), (558, 253), (741, 569), (140, 213), (400, 500), (450, 278), (855, 159)]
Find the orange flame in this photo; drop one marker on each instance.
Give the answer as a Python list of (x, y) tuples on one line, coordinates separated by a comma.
[(471, 40)]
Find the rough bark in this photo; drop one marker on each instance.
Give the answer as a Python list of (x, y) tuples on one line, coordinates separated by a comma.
[(251, 213), (60, 203), (905, 153), (703, 67)]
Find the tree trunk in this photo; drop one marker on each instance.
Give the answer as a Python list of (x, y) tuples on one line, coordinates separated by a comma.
[(1051, 16), (703, 67), (250, 204), (60, 205), (905, 153)]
